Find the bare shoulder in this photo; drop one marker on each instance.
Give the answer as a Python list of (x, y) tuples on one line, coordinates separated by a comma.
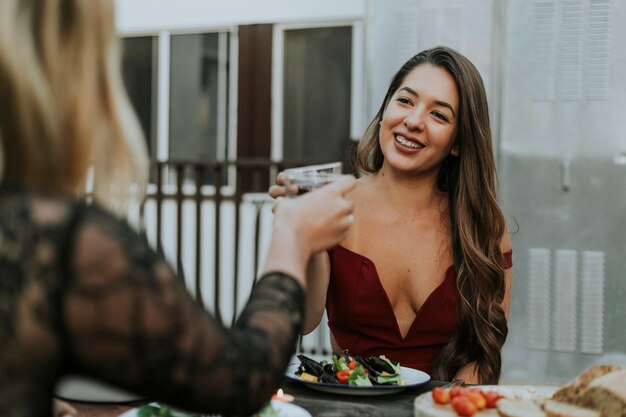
[(363, 190)]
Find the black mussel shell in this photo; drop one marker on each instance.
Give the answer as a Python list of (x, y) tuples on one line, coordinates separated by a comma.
[(310, 366), (379, 365)]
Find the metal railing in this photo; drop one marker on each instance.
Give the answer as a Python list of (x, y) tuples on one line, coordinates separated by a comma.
[(212, 222)]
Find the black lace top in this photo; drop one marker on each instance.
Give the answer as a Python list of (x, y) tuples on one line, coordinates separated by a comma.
[(81, 292)]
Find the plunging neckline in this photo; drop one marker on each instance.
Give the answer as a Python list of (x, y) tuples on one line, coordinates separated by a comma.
[(387, 299)]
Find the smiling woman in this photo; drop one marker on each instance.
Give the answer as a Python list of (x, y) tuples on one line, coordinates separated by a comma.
[(423, 277), (441, 253), (434, 230)]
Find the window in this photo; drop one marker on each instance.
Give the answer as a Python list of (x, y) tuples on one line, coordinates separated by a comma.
[(138, 72), (179, 85), (316, 93), (198, 97)]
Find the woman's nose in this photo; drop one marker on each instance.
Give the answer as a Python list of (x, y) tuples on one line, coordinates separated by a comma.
[(414, 121)]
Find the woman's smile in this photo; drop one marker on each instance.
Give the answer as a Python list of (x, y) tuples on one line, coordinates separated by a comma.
[(408, 144)]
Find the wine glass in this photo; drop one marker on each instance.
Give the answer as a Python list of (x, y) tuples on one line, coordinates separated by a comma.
[(307, 178)]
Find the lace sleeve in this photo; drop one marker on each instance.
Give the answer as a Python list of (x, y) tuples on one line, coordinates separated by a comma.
[(130, 322)]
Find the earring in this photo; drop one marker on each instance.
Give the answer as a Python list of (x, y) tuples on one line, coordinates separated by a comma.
[(454, 152), (380, 123)]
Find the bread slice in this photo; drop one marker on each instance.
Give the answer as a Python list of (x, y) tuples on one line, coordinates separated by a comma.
[(607, 394), (559, 409), (519, 408), (572, 391)]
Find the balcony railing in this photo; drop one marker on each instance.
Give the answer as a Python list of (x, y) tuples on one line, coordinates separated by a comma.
[(212, 222)]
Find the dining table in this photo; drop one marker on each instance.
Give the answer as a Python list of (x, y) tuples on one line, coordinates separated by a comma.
[(318, 404)]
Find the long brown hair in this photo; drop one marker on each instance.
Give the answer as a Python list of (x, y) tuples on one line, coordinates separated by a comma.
[(63, 107), (477, 223)]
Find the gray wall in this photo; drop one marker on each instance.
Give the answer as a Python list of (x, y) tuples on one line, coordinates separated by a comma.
[(564, 181), (555, 73)]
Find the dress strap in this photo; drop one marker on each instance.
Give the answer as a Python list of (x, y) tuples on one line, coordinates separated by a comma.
[(507, 259)]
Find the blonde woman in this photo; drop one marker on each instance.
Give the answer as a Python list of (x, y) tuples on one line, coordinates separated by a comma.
[(79, 290)]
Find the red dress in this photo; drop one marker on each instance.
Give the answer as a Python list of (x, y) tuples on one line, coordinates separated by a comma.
[(362, 320)]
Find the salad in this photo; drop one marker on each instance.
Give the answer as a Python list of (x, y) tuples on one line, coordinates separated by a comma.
[(350, 370)]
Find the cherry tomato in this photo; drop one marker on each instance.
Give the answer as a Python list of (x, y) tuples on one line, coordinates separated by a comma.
[(457, 390), (352, 364), (343, 375), (476, 396), (463, 406), (491, 397), (440, 395)]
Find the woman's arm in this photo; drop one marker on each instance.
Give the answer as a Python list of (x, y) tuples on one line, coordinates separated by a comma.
[(508, 281), (505, 247), (317, 280), (317, 272), (128, 320)]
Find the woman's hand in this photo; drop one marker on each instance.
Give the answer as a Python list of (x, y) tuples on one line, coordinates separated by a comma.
[(320, 218), (278, 190), (309, 224)]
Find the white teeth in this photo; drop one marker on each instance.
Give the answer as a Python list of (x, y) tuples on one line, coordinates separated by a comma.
[(409, 144)]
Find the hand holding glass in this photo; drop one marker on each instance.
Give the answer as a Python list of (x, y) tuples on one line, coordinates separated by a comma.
[(304, 179)]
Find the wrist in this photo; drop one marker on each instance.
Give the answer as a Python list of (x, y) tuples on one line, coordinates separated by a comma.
[(287, 253)]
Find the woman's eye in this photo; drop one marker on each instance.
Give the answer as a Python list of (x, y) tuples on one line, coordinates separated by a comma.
[(440, 116), (404, 100)]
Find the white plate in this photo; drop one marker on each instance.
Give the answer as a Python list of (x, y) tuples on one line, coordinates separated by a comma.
[(283, 409), (424, 406), (78, 388), (410, 378)]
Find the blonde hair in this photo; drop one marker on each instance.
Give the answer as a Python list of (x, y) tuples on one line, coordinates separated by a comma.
[(63, 107)]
